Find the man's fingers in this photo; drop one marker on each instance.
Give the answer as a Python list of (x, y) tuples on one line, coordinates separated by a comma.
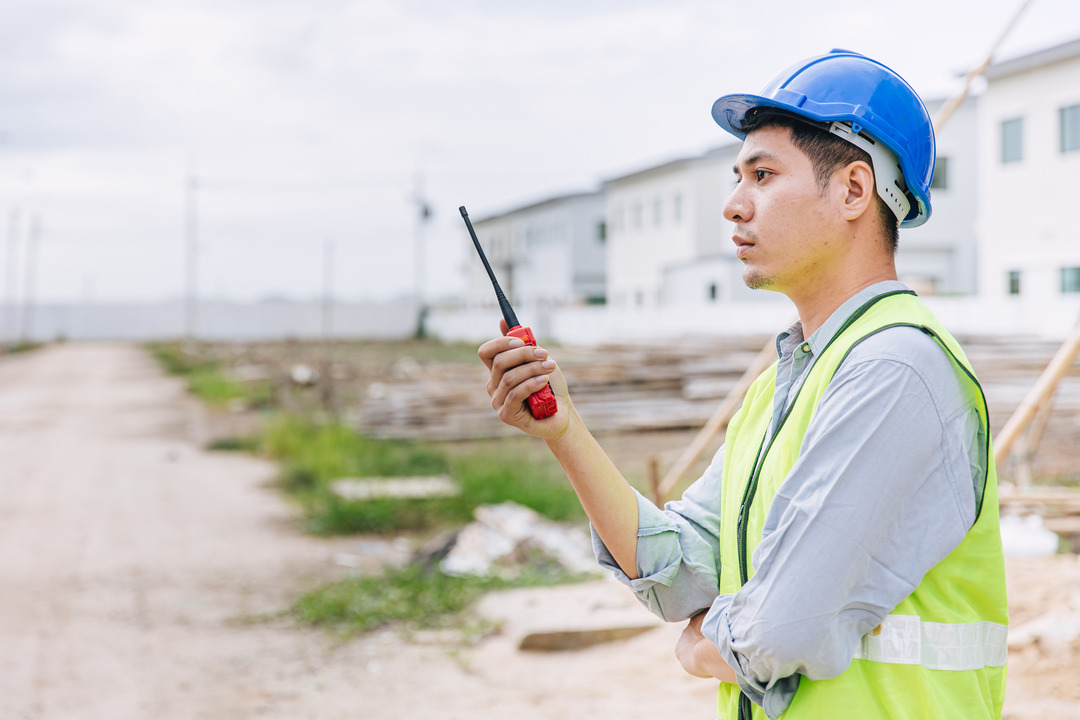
[(513, 367), (491, 348), (516, 371), (502, 383), (513, 404)]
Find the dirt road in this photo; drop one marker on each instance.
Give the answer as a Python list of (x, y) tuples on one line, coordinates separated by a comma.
[(137, 571), (132, 563)]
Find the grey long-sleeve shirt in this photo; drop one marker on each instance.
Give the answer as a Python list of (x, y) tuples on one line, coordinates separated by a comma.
[(882, 491)]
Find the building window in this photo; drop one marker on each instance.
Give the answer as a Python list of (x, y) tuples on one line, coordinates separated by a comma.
[(1070, 128), (1070, 280), (676, 207), (601, 232), (1012, 140), (713, 291), (1014, 282), (940, 180), (635, 214), (657, 211)]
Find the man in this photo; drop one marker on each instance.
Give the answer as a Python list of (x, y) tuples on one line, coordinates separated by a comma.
[(841, 557)]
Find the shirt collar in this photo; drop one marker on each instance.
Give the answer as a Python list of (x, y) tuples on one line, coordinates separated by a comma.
[(824, 334)]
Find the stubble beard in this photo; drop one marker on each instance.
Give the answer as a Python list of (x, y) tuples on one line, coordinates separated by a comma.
[(757, 280)]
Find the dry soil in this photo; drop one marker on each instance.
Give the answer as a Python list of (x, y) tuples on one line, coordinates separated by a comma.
[(142, 577)]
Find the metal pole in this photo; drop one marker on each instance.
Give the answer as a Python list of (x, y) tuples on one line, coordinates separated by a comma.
[(191, 251), (10, 295), (327, 380), (30, 281), (423, 214), (328, 290)]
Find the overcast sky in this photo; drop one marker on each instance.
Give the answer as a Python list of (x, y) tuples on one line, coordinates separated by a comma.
[(317, 121)]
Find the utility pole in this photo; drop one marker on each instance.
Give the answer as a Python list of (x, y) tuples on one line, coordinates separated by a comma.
[(33, 240), (327, 324), (423, 216), (191, 252), (328, 399), (10, 296)]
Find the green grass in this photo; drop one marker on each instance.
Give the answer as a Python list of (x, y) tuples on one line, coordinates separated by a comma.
[(206, 379), (313, 455), (252, 444), (177, 361), (19, 347), (418, 596)]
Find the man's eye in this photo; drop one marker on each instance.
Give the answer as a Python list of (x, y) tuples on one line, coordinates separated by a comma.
[(761, 174)]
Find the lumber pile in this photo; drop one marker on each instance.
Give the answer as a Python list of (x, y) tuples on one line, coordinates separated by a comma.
[(615, 388), (1058, 506)]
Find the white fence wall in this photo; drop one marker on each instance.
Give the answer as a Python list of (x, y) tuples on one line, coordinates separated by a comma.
[(1049, 318), (1012, 316), (214, 321)]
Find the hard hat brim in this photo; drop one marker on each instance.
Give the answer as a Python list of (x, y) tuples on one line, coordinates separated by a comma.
[(729, 112)]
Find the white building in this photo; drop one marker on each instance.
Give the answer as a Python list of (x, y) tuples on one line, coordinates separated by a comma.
[(664, 218), (939, 257), (1029, 167), (670, 245), (547, 254)]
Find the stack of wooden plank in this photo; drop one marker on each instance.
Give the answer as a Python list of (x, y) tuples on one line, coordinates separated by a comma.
[(615, 388)]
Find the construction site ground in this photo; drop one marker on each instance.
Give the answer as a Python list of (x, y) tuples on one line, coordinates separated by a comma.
[(142, 576)]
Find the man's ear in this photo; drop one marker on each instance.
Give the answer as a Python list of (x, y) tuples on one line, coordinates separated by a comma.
[(855, 183)]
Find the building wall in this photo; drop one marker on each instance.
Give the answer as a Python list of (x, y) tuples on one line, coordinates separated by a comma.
[(650, 224), (940, 255), (717, 182), (548, 253), (663, 218), (713, 280), (1027, 209)]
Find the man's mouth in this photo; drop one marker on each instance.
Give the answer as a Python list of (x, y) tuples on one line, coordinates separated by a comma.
[(742, 245)]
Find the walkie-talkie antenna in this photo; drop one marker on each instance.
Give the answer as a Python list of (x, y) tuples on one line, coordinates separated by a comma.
[(504, 304), (542, 403)]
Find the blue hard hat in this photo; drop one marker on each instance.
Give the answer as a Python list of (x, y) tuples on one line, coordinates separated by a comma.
[(847, 87)]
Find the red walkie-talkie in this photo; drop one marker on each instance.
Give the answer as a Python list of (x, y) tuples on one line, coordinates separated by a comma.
[(542, 402)]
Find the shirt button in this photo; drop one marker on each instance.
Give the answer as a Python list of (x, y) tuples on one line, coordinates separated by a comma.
[(805, 347)]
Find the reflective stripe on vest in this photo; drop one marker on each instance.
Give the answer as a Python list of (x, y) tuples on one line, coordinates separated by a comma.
[(907, 640)]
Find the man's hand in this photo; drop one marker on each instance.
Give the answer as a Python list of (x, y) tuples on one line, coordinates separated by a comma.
[(698, 656), (517, 371)]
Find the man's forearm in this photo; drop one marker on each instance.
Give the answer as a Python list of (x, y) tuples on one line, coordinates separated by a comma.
[(699, 656), (608, 500)]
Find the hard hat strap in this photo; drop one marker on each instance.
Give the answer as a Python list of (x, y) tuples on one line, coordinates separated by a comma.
[(887, 175)]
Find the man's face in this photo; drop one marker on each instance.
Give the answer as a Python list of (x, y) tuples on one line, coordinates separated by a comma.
[(784, 224)]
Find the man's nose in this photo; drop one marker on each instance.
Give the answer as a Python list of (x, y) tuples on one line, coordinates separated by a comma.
[(737, 208)]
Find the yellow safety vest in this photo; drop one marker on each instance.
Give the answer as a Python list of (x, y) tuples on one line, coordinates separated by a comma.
[(941, 652)]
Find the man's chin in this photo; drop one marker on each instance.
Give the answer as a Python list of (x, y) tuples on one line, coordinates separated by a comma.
[(756, 280)]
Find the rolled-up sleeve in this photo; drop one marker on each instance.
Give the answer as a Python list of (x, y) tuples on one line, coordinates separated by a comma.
[(678, 550)]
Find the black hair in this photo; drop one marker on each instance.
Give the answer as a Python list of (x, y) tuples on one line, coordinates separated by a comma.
[(827, 153)]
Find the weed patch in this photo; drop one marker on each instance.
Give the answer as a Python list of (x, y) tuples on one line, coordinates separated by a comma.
[(250, 444), (313, 455), (19, 347), (206, 379), (415, 595)]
